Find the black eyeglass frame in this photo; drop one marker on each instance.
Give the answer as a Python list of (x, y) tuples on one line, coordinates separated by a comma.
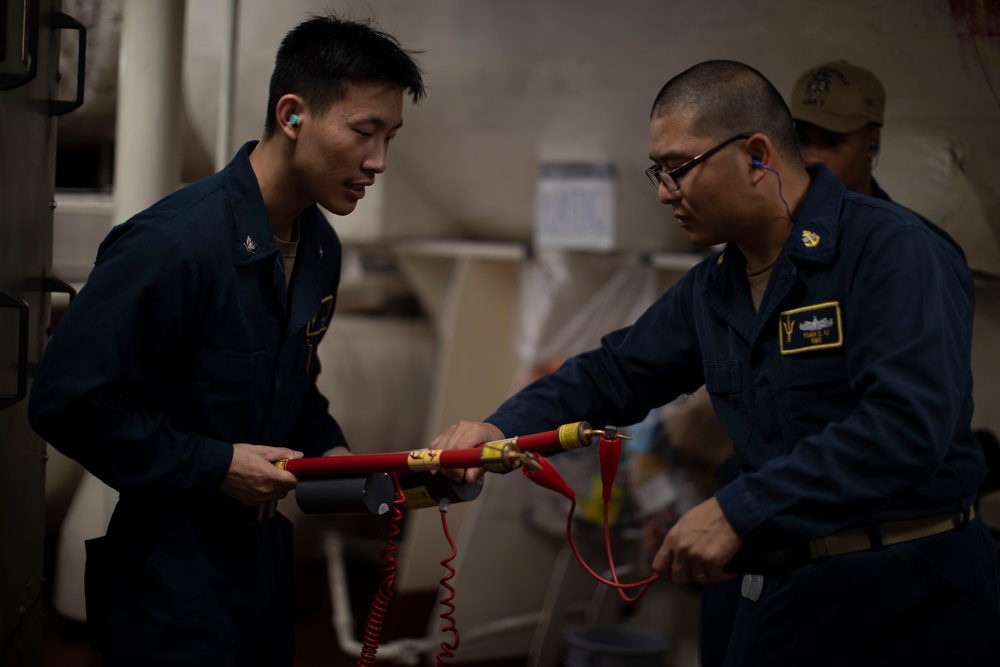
[(657, 175)]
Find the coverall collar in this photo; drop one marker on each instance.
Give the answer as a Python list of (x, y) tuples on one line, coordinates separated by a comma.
[(255, 241), (254, 236), (310, 259), (813, 239)]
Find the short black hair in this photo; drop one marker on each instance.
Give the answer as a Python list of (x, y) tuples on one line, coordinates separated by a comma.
[(322, 55), (728, 98)]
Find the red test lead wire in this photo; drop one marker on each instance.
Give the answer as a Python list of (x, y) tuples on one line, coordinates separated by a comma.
[(543, 473), (610, 454), (447, 650), (380, 604)]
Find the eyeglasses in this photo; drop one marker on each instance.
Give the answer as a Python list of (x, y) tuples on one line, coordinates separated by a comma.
[(657, 175)]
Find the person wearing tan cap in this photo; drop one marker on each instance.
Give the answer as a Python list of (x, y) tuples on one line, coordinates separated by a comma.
[(838, 110)]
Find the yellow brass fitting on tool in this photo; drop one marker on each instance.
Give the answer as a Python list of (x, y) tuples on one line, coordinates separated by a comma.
[(500, 455), (530, 461), (575, 435), (609, 433)]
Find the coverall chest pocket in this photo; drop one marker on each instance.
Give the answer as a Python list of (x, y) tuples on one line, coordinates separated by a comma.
[(229, 388), (228, 367), (815, 392), (724, 382)]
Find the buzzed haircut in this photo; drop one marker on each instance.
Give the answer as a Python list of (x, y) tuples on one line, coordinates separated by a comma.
[(322, 55), (729, 98)]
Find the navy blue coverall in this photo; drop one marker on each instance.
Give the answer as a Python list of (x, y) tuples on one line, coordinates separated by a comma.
[(184, 341), (848, 399)]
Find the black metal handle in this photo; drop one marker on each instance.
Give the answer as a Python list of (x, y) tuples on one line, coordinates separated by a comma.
[(8, 300), (14, 79), (62, 21), (55, 285)]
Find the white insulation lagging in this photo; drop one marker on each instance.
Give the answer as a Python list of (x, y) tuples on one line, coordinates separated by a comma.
[(403, 651)]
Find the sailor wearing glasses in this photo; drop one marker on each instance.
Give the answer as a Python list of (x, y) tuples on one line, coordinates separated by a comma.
[(854, 438)]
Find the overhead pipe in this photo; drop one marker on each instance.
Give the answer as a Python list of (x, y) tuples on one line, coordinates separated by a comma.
[(227, 83), (149, 108)]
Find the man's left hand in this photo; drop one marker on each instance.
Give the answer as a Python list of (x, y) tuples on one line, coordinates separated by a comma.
[(698, 547)]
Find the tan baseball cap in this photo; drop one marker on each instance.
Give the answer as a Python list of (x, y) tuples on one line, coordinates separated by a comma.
[(839, 97)]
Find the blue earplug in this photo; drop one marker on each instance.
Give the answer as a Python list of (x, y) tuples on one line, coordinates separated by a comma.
[(756, 163), (293, 120)]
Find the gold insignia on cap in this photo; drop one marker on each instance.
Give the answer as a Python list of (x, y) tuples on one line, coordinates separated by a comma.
[(818, 87), (810, 239)]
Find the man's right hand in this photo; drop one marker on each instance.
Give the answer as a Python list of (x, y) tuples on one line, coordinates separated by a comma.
[(464, 435), (253, 478)]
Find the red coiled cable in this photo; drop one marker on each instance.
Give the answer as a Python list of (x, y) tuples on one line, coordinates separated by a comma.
[(380, 603), (448, 650)]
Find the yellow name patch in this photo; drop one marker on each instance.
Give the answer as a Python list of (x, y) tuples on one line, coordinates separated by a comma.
[(811, 328)]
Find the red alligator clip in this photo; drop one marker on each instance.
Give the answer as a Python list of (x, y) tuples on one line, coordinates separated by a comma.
[(610, 454), (544, 474)]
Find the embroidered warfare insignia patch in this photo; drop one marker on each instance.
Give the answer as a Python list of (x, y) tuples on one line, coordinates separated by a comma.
[(818, 86), (811, 328), (321, 320)]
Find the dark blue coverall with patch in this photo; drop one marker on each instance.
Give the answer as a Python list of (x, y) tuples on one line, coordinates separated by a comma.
[(720, 601), (848, 399), (183, 342)]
